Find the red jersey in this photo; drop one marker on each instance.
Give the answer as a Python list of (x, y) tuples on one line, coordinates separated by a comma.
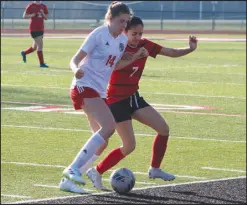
[(37, 22), (125, 82)]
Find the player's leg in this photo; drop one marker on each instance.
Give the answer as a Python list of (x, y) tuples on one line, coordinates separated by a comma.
[(94, 128), (28, 51), (67, 184), (124, 128), (39, 42), (150, 117), (99, 111)]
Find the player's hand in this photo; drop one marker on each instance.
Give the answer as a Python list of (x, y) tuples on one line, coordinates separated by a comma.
[(79, 73), (127, 56), (32, 15), (141, 53), (193, 42)]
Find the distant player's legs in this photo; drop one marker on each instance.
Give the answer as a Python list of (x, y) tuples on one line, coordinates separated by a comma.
[(39, 42), (150, 117), (28, 51)]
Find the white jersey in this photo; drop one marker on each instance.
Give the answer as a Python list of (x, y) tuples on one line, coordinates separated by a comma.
[(103, 52)]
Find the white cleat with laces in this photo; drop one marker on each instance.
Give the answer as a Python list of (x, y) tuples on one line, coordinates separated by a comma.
[(74, 175), (155, 173), (70, 186), (95, 178)]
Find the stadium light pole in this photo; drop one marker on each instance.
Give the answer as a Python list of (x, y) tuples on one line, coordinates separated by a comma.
[(2, 14), (200, 10), (161, 10), (213, 14)]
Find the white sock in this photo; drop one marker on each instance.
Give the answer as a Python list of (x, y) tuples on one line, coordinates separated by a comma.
[(89, 163), (88, 150)]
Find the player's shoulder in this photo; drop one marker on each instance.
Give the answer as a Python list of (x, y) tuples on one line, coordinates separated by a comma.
[(100, 29), (44, 5), (30, 5), (123, 37)]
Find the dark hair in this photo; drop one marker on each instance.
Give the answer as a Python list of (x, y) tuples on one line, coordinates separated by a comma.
[(115, 9), (134, 21)]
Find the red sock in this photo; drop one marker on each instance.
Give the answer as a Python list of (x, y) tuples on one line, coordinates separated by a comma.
[(40, 56), (110, 160), (29, 50), (159, 149)]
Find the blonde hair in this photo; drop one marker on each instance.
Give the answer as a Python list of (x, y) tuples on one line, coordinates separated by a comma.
[(115, 9)]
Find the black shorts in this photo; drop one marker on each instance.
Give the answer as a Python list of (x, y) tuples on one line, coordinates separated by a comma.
[(35, 34), (123, 110)]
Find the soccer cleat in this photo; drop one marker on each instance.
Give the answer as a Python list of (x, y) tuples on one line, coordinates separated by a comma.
[(154, 173), (24, 58), (95, 178), (68, 185), (43, 65), (74, 175)]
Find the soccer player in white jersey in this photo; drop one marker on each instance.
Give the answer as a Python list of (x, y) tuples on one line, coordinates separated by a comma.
[(92, 65)]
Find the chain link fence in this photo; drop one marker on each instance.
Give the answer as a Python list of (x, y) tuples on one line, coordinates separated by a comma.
[(157, 20)]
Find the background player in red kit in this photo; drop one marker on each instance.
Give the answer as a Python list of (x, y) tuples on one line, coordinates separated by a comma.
[(125, 103), (37, 12)]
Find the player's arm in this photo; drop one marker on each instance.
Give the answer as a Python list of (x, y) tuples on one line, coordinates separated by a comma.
[(177, 52), (44, 13), (125, 61), (88, 45), (75, 61), (27, 13)]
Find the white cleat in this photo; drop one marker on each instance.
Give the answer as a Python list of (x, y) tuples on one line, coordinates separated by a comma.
[(70, 186), (95, 178), (154, 173), (74, 175)]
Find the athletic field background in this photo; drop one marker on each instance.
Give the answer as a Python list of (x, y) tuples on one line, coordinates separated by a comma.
[(202, 96)]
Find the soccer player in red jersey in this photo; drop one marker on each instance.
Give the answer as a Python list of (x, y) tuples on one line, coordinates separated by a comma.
[(126, 104), (37, 12)]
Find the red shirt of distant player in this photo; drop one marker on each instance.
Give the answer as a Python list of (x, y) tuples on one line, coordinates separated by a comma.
[(37, 22), (125, 82)]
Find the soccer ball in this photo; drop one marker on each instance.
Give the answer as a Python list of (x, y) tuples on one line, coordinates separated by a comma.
[(122, 180)]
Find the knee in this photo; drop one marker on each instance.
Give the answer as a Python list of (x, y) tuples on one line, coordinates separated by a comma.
[(128, 148), (109, 128), (35, 48), (165, 130), (105, 144)]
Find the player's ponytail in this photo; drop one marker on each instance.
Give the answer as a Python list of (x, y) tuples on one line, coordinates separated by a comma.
[(115, 9)]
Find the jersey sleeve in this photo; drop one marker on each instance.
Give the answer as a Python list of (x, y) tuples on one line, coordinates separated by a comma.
[(90, 42), (28, 9), (153, 48)]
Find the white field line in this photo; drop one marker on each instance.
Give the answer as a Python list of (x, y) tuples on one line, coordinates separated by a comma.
[(16, 196), (106, 193), (222, 169), (195, 95), (171, 81), (155, 93), (57, 187), (166, 110), (111, 170), (192, 82), (166, 68), (146, 135), (182, 176)]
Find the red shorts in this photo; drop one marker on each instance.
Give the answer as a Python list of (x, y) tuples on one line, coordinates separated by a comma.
[(78, 97)]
